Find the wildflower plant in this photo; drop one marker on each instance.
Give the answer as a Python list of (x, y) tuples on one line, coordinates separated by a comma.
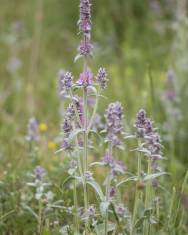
[(81, 126), (77, 128)]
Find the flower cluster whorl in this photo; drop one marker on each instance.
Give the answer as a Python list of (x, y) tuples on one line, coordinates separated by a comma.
[(32, 130), (65, 82), (114, 127), (85, 17), (152, 142), (102, 78)]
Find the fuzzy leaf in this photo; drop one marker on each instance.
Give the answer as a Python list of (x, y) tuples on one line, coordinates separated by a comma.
[(97, 164), (67, 180), (92, 88), (100, 228), (139, 222), (153, 176), (31, 211), (74, 134), (77, 57), (133, 178), (97, 189), (104, 207)]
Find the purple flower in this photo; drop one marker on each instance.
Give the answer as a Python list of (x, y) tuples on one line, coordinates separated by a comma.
[(88, 175), (39, 172), (33, 130), (66, 146), (85, 17), (70, 113), (120, 210), (65, 82), (85, 48), (152, 143), (116, 167), (80, 109), (114, 128), (67, 127), (102, 78), (86, 79), (170, 94), (112, 192), (108, 160), (143, 124), (170, 76), (91, 212)]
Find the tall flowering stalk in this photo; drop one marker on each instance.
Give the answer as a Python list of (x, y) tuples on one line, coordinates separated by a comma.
[(85, 80), (114, 132), (77, 124), (150, 146), (79, 121)]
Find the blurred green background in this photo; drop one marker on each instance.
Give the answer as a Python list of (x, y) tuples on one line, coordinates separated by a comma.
[(137, 41)]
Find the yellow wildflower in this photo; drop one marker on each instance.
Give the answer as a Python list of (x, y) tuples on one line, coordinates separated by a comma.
[(52, 145), (43, 127)]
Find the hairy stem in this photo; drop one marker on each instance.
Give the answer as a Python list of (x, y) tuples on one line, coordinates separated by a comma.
[(107, 194), (94, 111), (147, 199), (40, 218), (85, 152), (76, 206), (137, 193), (75, 110)]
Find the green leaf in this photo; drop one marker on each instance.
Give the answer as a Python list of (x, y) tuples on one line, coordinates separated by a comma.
[(153, 176), (46, 231), (148, 212), (100, 228), (133, 178), (67, 180), (74, 134), (97, 164), (93, 89), (31, 211), (139, 222), (104, 207), (77, 57), (97, 189)]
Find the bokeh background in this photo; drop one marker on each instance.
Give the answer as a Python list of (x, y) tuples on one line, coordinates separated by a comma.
[(142, 43)]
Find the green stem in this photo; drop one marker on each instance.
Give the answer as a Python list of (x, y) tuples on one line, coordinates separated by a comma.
[(170, 215), (75, 109), (40, 218), (147, 199), (137, 193), (107, 199), (76, 207), (107, 194), (85, 152), (182, 191), (94, 111)]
